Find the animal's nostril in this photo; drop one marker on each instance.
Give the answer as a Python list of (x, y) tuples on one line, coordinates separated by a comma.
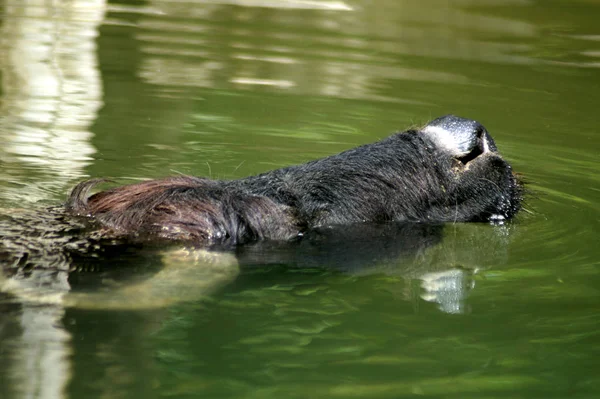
[(478, 150), (480, 147), (479, 131)]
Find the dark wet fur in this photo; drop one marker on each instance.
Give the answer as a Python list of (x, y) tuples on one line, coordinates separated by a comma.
[(404, 178)]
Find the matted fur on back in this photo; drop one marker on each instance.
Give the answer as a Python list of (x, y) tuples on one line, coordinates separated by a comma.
[(184, 208)]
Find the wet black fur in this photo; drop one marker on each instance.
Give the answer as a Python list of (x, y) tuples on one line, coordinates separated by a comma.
[(405, 177)]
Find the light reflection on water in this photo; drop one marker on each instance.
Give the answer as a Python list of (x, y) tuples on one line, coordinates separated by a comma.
[(340, 56), (51, 92)]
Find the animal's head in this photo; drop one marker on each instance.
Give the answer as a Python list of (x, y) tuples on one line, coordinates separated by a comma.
[(481, 185)]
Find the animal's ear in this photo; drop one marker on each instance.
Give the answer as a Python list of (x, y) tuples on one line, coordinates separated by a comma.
[(253, 217)]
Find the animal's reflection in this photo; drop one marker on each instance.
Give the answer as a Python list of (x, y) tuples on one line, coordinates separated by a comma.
[(120, 274), (40, 286)]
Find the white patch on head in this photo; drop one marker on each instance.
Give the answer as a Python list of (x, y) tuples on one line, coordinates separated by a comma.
[(442, 137)]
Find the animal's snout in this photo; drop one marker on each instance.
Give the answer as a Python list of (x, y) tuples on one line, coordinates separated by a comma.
[(465, 139)]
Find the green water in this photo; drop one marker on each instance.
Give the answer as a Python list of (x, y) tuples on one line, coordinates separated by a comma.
[(141, 89)]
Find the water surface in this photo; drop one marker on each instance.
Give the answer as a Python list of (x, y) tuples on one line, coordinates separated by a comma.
[(140, 89)]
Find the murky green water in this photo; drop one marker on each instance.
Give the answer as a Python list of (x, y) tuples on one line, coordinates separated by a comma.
[(141, 89)]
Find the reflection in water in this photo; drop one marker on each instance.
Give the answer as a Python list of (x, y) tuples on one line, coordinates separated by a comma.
[(287, 4), (51, 93), (445, 268), (211, 44), (38, 355), (448, 289), (126, 277), (36, 349), (41, 362), (589, 56), (47, 258)]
